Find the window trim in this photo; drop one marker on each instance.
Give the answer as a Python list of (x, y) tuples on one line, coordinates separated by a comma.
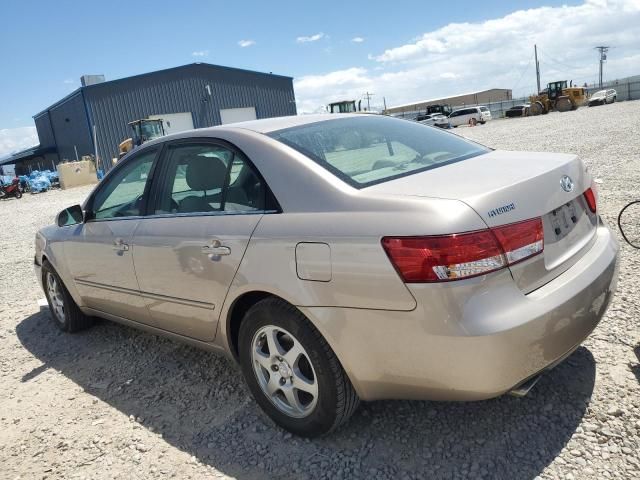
[(159, 148), (163, 161)]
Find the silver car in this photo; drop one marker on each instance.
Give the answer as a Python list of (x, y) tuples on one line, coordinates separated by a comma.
[(434, 120), (341, 258), (602, 97)]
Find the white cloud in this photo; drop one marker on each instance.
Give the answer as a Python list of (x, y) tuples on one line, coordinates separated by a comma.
[(200, 53), (246, 43), (462, 57), (357, 39), (311, 38), (16, 139)]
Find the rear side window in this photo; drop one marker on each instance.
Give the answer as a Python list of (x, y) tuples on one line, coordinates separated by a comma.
[(484, 109), (370, 149), (202, 178)]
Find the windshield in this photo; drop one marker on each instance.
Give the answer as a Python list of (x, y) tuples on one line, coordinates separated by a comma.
[(343, 107), (151, 130), (367, 150), (600, 93)]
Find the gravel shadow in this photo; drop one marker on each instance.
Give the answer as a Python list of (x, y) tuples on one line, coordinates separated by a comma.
[(198, 401)]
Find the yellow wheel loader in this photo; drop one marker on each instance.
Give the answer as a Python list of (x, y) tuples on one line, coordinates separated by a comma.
[(143, 131), (557, 96)]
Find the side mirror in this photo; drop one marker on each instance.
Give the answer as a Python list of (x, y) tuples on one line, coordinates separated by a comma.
[(629, 223), (70, 216)]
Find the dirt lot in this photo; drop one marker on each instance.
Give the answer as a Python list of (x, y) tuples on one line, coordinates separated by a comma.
[(116, 403)]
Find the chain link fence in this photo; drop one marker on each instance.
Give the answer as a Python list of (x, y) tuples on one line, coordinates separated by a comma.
[(626, 90)]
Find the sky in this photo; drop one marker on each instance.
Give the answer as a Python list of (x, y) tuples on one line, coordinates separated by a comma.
[(400, 51)]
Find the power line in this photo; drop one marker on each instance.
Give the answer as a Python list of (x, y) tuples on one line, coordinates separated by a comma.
[(549, 57), (524, 70)]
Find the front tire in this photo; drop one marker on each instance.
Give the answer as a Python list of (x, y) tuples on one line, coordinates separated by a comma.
[(18, 193), (65, 312), (292, 372)]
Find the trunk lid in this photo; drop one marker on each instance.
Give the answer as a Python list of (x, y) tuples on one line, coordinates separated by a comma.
[(506, 187)]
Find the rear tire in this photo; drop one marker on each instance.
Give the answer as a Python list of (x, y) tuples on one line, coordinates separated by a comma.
[(65, 312), (271, 331)]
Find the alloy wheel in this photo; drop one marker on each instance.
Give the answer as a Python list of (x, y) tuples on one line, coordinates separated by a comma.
[(55, 297), (284, 371)]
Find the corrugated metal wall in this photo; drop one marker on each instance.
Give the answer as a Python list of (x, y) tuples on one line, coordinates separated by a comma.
[(113, 105), (45, 132), (71, 128)]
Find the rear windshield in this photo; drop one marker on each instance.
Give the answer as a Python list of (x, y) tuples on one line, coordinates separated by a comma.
[(369, 149)]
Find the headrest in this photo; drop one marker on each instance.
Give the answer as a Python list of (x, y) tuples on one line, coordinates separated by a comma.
[(205, 173)]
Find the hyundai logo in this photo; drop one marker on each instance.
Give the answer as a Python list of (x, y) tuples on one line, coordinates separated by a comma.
[(566, 183)]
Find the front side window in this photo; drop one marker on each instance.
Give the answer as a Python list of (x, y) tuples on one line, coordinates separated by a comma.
[(122, 195), (367, 150), (202, 178)]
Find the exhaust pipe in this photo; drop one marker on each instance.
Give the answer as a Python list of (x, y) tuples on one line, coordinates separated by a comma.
[(524, 388)]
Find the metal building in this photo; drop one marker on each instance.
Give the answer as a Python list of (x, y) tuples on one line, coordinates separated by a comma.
[(93, 119), (473, 98)]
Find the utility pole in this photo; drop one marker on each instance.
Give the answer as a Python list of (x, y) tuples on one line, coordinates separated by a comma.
[(603, 58), (368, 96), (535, 49)]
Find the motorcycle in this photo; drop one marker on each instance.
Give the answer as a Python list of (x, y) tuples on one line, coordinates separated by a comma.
[(12, 189)]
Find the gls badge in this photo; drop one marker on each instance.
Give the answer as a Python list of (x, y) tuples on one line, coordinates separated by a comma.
[(501, 210)]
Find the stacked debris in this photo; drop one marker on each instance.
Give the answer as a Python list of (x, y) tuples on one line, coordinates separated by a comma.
[(41, 181)]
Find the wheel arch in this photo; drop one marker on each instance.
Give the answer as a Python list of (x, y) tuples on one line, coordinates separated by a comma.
[(236, 312)]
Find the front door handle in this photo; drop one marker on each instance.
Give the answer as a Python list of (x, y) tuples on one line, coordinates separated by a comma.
[(120, 246), (216, 250)]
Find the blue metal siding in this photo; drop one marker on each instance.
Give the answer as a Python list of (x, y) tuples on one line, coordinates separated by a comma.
[(112, 105), (45, 132), (70, 128)]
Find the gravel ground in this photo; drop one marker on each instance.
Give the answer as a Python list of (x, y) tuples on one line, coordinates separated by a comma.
[(113, 402)]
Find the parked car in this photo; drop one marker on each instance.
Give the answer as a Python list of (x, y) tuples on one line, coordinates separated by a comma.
[(469, 116), (434, 120), (602, 97), (518, 111), (415, 265)]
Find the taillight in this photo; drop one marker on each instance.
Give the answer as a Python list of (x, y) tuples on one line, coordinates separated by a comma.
[(590, 197), (464, 255)]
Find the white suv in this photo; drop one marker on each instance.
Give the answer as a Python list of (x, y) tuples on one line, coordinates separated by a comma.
[(469, 115)]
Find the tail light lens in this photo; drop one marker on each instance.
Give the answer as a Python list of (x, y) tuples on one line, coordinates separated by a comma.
[(464, 255), (590, 197)]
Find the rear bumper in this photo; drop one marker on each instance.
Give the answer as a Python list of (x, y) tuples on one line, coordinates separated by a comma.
[(473, 339)]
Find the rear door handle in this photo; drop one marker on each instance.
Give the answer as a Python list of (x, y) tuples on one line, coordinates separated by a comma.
[(216, 250)]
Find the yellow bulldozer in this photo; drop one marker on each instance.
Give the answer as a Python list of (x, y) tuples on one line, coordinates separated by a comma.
[(144, 130), (557, 96)]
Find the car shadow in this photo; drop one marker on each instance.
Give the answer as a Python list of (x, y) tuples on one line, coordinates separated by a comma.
[(636, 368), (199, 402)]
